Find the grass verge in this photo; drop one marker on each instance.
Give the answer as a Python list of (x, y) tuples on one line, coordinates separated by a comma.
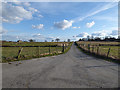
[(98, 56)]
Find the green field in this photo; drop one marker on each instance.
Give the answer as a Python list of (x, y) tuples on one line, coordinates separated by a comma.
[(113, 51), (96, 43), (31, 43), (11, 53), (102, 50)]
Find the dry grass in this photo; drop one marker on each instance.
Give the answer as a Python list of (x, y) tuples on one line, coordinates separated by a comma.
[(11, 53), (103, 50)]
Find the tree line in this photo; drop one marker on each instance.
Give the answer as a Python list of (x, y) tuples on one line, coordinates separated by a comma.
[(100, 39), (56, 40)]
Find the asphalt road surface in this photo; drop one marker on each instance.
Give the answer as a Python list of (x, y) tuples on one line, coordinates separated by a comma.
[(71, 70)]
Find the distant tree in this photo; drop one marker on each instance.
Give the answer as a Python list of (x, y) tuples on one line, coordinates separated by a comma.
[(118, 39), (92, 38), (112, 39), (68, 40), (80, 39), (25, 41), (31, 40), (45, 40), (57, 39), (97, 39), (106, 38), (109, 39), (52, 40), (88, 38)]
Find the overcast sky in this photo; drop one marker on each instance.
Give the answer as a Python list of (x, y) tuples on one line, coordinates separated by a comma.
[(50, 20)]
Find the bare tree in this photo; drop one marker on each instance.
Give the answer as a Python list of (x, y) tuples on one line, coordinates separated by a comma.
[(88, 37), (45, 40), (52, 40), (68, 40), (57, 39), (92, 37), (31, 40)]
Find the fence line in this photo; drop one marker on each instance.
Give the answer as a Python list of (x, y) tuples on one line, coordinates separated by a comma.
[(31, 46), (95, 49), (23, 52), (109, 44)]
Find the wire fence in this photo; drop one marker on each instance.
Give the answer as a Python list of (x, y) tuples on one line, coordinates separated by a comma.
[(108, 51), (24, 52)]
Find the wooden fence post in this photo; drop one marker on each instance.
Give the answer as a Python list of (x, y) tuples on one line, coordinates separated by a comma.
[(89, 47), (38, 51), (92, 49), (19, 53), (98, 50), (66, 47), (84, 46), (56, 49), (63, 48), (108, 52), (49, 49)]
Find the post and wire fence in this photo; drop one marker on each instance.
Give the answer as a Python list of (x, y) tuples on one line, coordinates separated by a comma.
[(108, 51), (24, 52)]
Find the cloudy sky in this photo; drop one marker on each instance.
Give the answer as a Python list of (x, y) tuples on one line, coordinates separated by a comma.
[(64, 20)]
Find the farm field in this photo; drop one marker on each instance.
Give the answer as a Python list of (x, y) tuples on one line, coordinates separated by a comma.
[(113, 51), (102, 50), (11, 53), (97, 43), (32, 43)]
